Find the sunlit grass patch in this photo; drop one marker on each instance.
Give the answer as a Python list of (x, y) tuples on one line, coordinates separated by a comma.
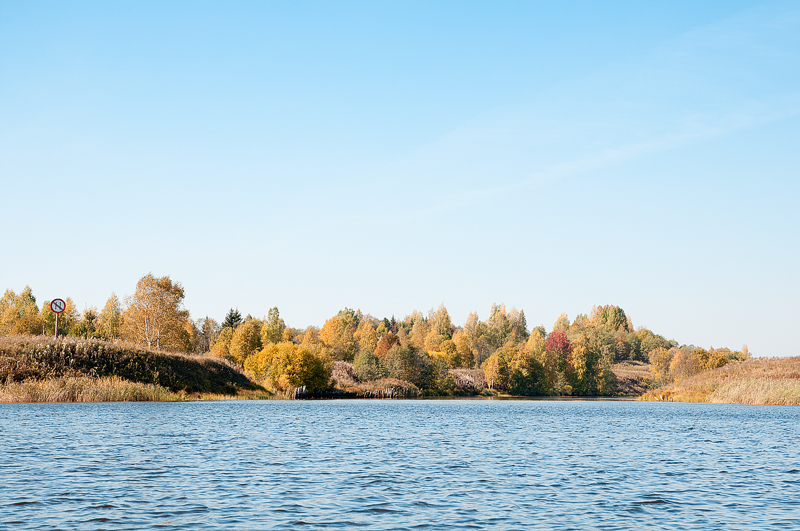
[(767, 381), (84, 389)]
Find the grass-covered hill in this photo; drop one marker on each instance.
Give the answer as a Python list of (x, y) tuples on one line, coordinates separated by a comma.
[(38, 368), (633, 378), (765, 381)]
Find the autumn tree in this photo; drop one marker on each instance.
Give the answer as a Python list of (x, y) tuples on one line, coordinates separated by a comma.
[(660, 359), (222, 346), (465, 356), (558, 347), (439, 322), (498, 327), (366, 336), (562, 323), (155, 316), (109, 321), (286, 366), (19, 311), (338, 334), (472, 327), (526, 372), (685, 364), (433, 341), (589, 360), (716, 358), (7, 317), (611, 318), (246, 340), (310, 336), (419, 331), (448, 353), (496, 371), (519, 325), (272, 331), (385, 344), (648, 341)]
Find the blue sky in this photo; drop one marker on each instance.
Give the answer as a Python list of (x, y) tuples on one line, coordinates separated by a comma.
[(393, 156)]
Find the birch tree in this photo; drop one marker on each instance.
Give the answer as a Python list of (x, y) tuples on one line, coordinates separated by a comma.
[(155, 316)]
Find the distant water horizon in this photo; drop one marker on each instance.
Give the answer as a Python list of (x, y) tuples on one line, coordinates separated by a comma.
[(400, 464)]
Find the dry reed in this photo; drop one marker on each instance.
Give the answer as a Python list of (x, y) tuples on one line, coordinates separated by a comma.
[(84, 389), (761, 391), (766, 381)]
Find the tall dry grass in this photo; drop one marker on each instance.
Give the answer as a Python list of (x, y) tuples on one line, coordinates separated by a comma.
[(84, 389), (764, 381), (758, 391)]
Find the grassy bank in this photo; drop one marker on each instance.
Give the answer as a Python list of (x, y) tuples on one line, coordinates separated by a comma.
[(43, 369), (633, 378), (762, 381)]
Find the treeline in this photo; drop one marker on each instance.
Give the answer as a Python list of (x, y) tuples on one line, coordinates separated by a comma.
[(427, 351)]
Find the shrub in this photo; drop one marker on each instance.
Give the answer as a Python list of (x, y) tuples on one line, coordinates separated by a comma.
[(287, 365)]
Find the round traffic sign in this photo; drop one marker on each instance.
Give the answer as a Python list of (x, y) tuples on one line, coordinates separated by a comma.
[(58, 305)]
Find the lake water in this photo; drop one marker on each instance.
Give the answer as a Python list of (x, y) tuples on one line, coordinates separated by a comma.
[(380, 464)]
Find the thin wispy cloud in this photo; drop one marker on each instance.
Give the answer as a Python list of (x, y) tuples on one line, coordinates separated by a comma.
[(663, 100)]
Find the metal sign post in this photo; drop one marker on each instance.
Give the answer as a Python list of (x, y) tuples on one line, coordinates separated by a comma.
[(58, 306)]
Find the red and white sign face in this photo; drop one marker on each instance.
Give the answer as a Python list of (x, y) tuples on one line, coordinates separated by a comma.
[(58, 305)]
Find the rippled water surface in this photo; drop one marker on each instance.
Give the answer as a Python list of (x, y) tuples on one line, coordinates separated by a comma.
[(399, 465)]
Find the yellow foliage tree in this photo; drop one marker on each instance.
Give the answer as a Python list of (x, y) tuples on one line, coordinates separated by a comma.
[(495, 370), (338, 336), (274, 327), (30, 324), (433, 340), (366, 336), (660, 360), (685, 364), (716, 358), (310, 337), (287, 365), (222, 346), (562, 323), (15, 308), (465, 356), (419, 331), (246, 340), (110, 319), (155, 316)]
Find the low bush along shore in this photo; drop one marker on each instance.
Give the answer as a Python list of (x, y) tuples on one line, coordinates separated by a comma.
[(40, 369), (765, 381)]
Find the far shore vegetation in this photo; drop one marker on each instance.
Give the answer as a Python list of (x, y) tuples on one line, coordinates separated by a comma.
[(147, 348), (758, 381)]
